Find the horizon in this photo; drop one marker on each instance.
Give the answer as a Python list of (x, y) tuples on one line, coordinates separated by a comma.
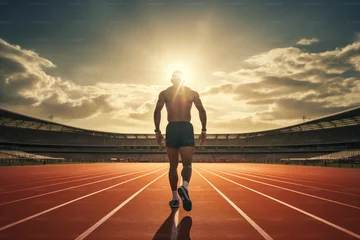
[(305, 121)]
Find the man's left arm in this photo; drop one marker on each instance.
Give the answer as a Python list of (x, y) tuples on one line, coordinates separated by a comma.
[(202, 116)]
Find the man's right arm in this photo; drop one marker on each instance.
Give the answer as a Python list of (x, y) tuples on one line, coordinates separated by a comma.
[(157, 117), (157, 113)]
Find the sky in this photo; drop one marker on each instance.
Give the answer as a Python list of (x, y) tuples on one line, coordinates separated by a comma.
[(257, 65)]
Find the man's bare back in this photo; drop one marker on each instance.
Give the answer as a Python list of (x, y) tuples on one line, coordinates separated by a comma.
[(178, 101)]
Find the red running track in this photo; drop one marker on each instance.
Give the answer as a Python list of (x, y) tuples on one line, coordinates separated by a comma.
[(130, 201)]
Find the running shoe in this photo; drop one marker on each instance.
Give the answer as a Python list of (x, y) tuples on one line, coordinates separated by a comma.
[(174, 203), (184, 194)]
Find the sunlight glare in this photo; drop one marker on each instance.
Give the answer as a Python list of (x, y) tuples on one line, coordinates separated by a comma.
[(186, 71)]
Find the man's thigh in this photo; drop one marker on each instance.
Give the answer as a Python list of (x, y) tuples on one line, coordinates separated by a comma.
[(186, 154), (173, 154)]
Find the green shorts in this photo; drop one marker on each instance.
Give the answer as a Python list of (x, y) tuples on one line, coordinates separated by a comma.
[(179, 134)]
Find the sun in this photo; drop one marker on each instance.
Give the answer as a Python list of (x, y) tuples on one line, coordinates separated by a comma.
[(186, 71)]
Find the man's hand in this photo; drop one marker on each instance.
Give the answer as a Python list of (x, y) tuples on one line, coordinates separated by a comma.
[(202, 138), (160, 139)]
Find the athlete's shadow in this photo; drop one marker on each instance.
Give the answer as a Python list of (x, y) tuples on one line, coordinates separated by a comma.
[(168, 230)]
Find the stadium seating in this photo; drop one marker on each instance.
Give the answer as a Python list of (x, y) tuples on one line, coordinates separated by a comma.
[(323, 138), (41, 137), (338, 155), (18, 155)]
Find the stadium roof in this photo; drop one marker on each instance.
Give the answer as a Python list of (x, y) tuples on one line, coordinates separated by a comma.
[(346, 118)]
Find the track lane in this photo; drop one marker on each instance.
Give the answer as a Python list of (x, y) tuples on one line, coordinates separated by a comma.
[(56, 179), (19, 210), (73, 218), (340, 215), (211, 217), (329, 187), (46, 191), (38, 189), (310, 185), (44, 183), (112, 212), (11, 175), (340, 179), (325, 196), (281, 222)]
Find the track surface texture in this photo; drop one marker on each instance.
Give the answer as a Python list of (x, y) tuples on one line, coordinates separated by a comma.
[(130, 201)]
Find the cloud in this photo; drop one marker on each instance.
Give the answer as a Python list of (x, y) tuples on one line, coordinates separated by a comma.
[(273, 89), (243, 125), (291, 82), (144, 112), (296, 109), (24, 82), (306, 41)]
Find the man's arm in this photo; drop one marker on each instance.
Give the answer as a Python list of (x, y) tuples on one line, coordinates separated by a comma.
[(157, 113), (201, 109)]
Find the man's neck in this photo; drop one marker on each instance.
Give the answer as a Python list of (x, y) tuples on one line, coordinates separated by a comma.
[(178, 86)]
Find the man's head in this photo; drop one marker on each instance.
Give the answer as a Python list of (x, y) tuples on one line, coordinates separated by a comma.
[(177, 78)]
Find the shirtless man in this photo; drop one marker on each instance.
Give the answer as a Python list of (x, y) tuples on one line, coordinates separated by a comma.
[(179, 134)]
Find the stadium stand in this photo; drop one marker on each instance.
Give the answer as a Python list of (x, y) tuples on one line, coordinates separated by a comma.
[(339, 155), (326, 136), (153, 158), (18, 156)]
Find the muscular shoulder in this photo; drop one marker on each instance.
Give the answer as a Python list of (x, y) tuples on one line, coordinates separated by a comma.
[(195, 94), (189, 91), (165, 93)]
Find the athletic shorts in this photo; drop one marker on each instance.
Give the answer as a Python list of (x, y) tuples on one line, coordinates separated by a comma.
[(179, 134)]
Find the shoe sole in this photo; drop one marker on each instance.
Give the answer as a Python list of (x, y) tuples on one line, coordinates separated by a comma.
[(174, 206), (185, 198)]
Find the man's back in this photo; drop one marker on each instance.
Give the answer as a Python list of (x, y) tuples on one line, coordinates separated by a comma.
[(178, 101)]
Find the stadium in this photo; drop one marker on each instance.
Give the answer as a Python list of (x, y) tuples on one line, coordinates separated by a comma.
[(333, 139), (245, 184), (261, 105)]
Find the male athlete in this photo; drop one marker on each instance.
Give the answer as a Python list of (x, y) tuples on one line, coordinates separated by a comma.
[(179, 133)]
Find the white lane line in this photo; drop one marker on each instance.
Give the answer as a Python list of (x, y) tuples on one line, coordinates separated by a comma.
[(291, 206), (107, 216), (72, 201), (290, 190), (58, 183), (292, 183), (241, 212), (297, 179), (69, 188), (54, 178)]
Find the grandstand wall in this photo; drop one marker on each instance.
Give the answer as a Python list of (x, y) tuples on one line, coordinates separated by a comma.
[(349, 134), (332, 133)]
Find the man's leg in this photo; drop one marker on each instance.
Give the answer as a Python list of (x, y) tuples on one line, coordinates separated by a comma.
[(173, 155), (186, 154)]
